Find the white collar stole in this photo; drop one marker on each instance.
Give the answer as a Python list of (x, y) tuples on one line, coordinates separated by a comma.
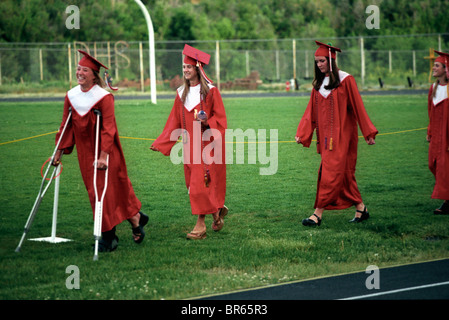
[(84, 101), (193, 98), (440, 95), (325, 92)]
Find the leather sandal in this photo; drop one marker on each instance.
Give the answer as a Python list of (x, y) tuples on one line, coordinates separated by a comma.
[(364, 216), (217, 225), (196, 235), (311, 223), (138, 231)]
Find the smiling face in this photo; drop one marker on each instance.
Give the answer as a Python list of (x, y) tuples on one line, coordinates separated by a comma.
[(322, 64), (438, 70), (190, 73), (85, 77)]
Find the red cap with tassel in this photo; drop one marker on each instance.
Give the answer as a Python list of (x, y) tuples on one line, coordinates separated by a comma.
[(197, 58), (444, 59), (327, 50)]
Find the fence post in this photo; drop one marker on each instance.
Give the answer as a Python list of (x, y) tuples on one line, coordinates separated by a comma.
[(278, 76), (217, 62), (362, 62), (69, 54), (414, 63), (294, 59), (247, 61), (306, 61), (142, 81), (41, 68), (390, 62)]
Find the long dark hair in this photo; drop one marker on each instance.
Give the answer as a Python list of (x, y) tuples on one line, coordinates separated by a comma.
[(203, 83), (334, 78)]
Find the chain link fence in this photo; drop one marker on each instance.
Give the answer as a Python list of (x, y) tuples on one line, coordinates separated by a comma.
[(235, 64)]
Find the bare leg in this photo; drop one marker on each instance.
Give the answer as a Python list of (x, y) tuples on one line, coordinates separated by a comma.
[(318, 212)]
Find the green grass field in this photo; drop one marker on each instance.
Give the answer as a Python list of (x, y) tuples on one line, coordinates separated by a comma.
[(263, 241)]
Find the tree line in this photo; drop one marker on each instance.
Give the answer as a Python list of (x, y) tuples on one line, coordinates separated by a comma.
[(112, 20)]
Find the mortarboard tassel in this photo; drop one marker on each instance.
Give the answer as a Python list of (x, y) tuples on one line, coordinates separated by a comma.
[(108, 81), (207, 178), (447, 68), (204, 74)]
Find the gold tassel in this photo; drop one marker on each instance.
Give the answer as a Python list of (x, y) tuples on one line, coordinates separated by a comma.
[(330, 145)]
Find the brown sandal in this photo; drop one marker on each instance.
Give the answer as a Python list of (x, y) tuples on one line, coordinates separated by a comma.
[(196, 235), (217, 225)]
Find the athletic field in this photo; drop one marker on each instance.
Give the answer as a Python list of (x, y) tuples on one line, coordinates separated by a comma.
[(263, 241)]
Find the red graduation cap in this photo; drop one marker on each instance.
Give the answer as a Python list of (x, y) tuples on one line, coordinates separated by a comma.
[(326, 50), (193, 56), (197, 58), (444, 59), (88, 61)]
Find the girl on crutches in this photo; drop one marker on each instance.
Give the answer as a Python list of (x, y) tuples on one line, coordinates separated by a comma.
[(120, 202)]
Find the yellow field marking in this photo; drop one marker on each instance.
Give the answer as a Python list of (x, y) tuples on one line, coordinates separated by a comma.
[(18, 140), (133, 138), (150, 139)]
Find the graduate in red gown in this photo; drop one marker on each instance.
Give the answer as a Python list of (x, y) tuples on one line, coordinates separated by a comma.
[(203, 139), (120, 202), (438, 131), (334, 110)]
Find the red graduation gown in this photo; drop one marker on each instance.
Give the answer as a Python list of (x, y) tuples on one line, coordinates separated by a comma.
[(335, 114), (203, 200), (120, 202), (438, 130)]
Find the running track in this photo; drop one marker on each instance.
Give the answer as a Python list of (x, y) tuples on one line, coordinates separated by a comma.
[(420, 281)]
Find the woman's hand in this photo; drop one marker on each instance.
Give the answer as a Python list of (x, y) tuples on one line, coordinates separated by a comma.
[(298, 139), (204, 122), (370, 141), (57, 159), (102, 163)]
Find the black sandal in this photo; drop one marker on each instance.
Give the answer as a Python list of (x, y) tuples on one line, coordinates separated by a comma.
[(139, 231), (311, 223), (364, 216), (443, 209)]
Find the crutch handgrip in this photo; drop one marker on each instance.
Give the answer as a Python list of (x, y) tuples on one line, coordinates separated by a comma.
[(97, 112)]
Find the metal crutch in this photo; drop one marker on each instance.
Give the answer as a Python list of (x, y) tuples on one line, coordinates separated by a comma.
[(98, 202), (42, 189)]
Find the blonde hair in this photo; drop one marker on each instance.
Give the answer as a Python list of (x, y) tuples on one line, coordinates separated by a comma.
[(98, 80)]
